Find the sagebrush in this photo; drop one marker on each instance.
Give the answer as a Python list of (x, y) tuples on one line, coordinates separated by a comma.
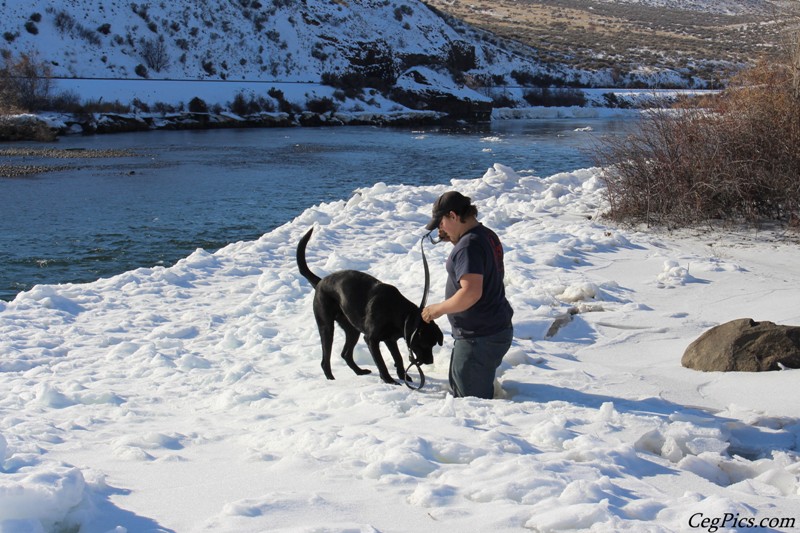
[(733, 157)]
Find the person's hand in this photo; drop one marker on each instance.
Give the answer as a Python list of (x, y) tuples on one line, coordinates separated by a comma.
[(431, 313)]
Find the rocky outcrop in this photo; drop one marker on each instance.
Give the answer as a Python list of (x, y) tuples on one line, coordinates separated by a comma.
[(424, 89), (745, 345)]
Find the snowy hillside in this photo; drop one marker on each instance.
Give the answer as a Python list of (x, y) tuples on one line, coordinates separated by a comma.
[(274, 40), (403, 49)]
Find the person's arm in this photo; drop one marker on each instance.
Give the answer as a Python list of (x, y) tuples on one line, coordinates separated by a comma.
[(468, 295)]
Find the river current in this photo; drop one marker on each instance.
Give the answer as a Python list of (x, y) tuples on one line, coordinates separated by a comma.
[(175, 191)]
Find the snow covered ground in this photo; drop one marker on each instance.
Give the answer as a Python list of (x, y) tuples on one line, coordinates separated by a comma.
[(190, 398)]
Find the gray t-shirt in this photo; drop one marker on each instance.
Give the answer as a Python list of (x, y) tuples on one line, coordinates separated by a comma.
[(479, 251)]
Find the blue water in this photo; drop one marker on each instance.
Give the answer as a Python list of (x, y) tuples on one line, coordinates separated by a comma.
[(204, 189)]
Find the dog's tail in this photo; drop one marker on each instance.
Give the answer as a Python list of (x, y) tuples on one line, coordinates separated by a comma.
[(312, 278)]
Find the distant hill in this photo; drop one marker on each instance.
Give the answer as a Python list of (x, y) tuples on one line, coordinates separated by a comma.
[(705, 40)]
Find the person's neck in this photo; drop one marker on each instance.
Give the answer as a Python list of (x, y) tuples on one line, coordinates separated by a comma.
[(466, 227)]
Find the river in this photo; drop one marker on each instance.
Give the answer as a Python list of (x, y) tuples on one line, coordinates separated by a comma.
[(176, 191)]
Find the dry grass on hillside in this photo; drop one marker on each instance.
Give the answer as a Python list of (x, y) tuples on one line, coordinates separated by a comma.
[(596, 35)]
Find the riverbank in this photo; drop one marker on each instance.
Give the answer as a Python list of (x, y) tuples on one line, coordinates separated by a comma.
[(47, 127), (165, 109)]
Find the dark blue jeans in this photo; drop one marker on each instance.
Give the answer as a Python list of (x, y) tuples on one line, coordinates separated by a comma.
[(474, 362)]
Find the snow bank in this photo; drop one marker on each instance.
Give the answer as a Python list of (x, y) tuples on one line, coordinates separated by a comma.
[(190, 398)]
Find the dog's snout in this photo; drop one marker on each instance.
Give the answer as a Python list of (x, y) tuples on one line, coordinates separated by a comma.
[(426, 358)]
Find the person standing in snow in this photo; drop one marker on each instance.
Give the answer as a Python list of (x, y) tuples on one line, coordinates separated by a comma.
[(475, 299)]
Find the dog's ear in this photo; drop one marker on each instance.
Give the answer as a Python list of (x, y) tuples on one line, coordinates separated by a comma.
[(439, 336)]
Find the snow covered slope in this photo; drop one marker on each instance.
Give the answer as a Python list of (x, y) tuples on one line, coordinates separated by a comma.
[(350, 45), (280, 40)]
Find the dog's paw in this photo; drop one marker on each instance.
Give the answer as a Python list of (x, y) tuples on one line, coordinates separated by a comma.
[(363, 371)]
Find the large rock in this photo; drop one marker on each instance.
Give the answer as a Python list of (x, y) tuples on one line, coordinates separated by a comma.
[(745, 345), (423, 89)]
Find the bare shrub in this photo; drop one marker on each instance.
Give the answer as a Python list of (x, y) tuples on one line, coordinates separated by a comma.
[(208, 66), (154, 54), (321, 105), (66, 101), (64, 22), (352, 84), (735, 157), (245, 105), (24, 83), (67, 25), (284, 105), (197, 105)]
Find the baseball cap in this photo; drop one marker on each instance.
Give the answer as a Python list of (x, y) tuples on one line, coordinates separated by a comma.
[(449, 201)]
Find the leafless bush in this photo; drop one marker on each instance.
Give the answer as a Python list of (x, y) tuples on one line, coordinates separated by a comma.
[(66, 101), (154, 53), (244, 105), (24, 83), (736, 157), (67, 25)]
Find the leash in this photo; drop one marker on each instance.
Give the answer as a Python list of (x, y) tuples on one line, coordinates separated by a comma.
[(417, 364), (413, 361)]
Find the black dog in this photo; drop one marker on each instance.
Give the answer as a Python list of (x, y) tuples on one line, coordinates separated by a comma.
[(360, 304)]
